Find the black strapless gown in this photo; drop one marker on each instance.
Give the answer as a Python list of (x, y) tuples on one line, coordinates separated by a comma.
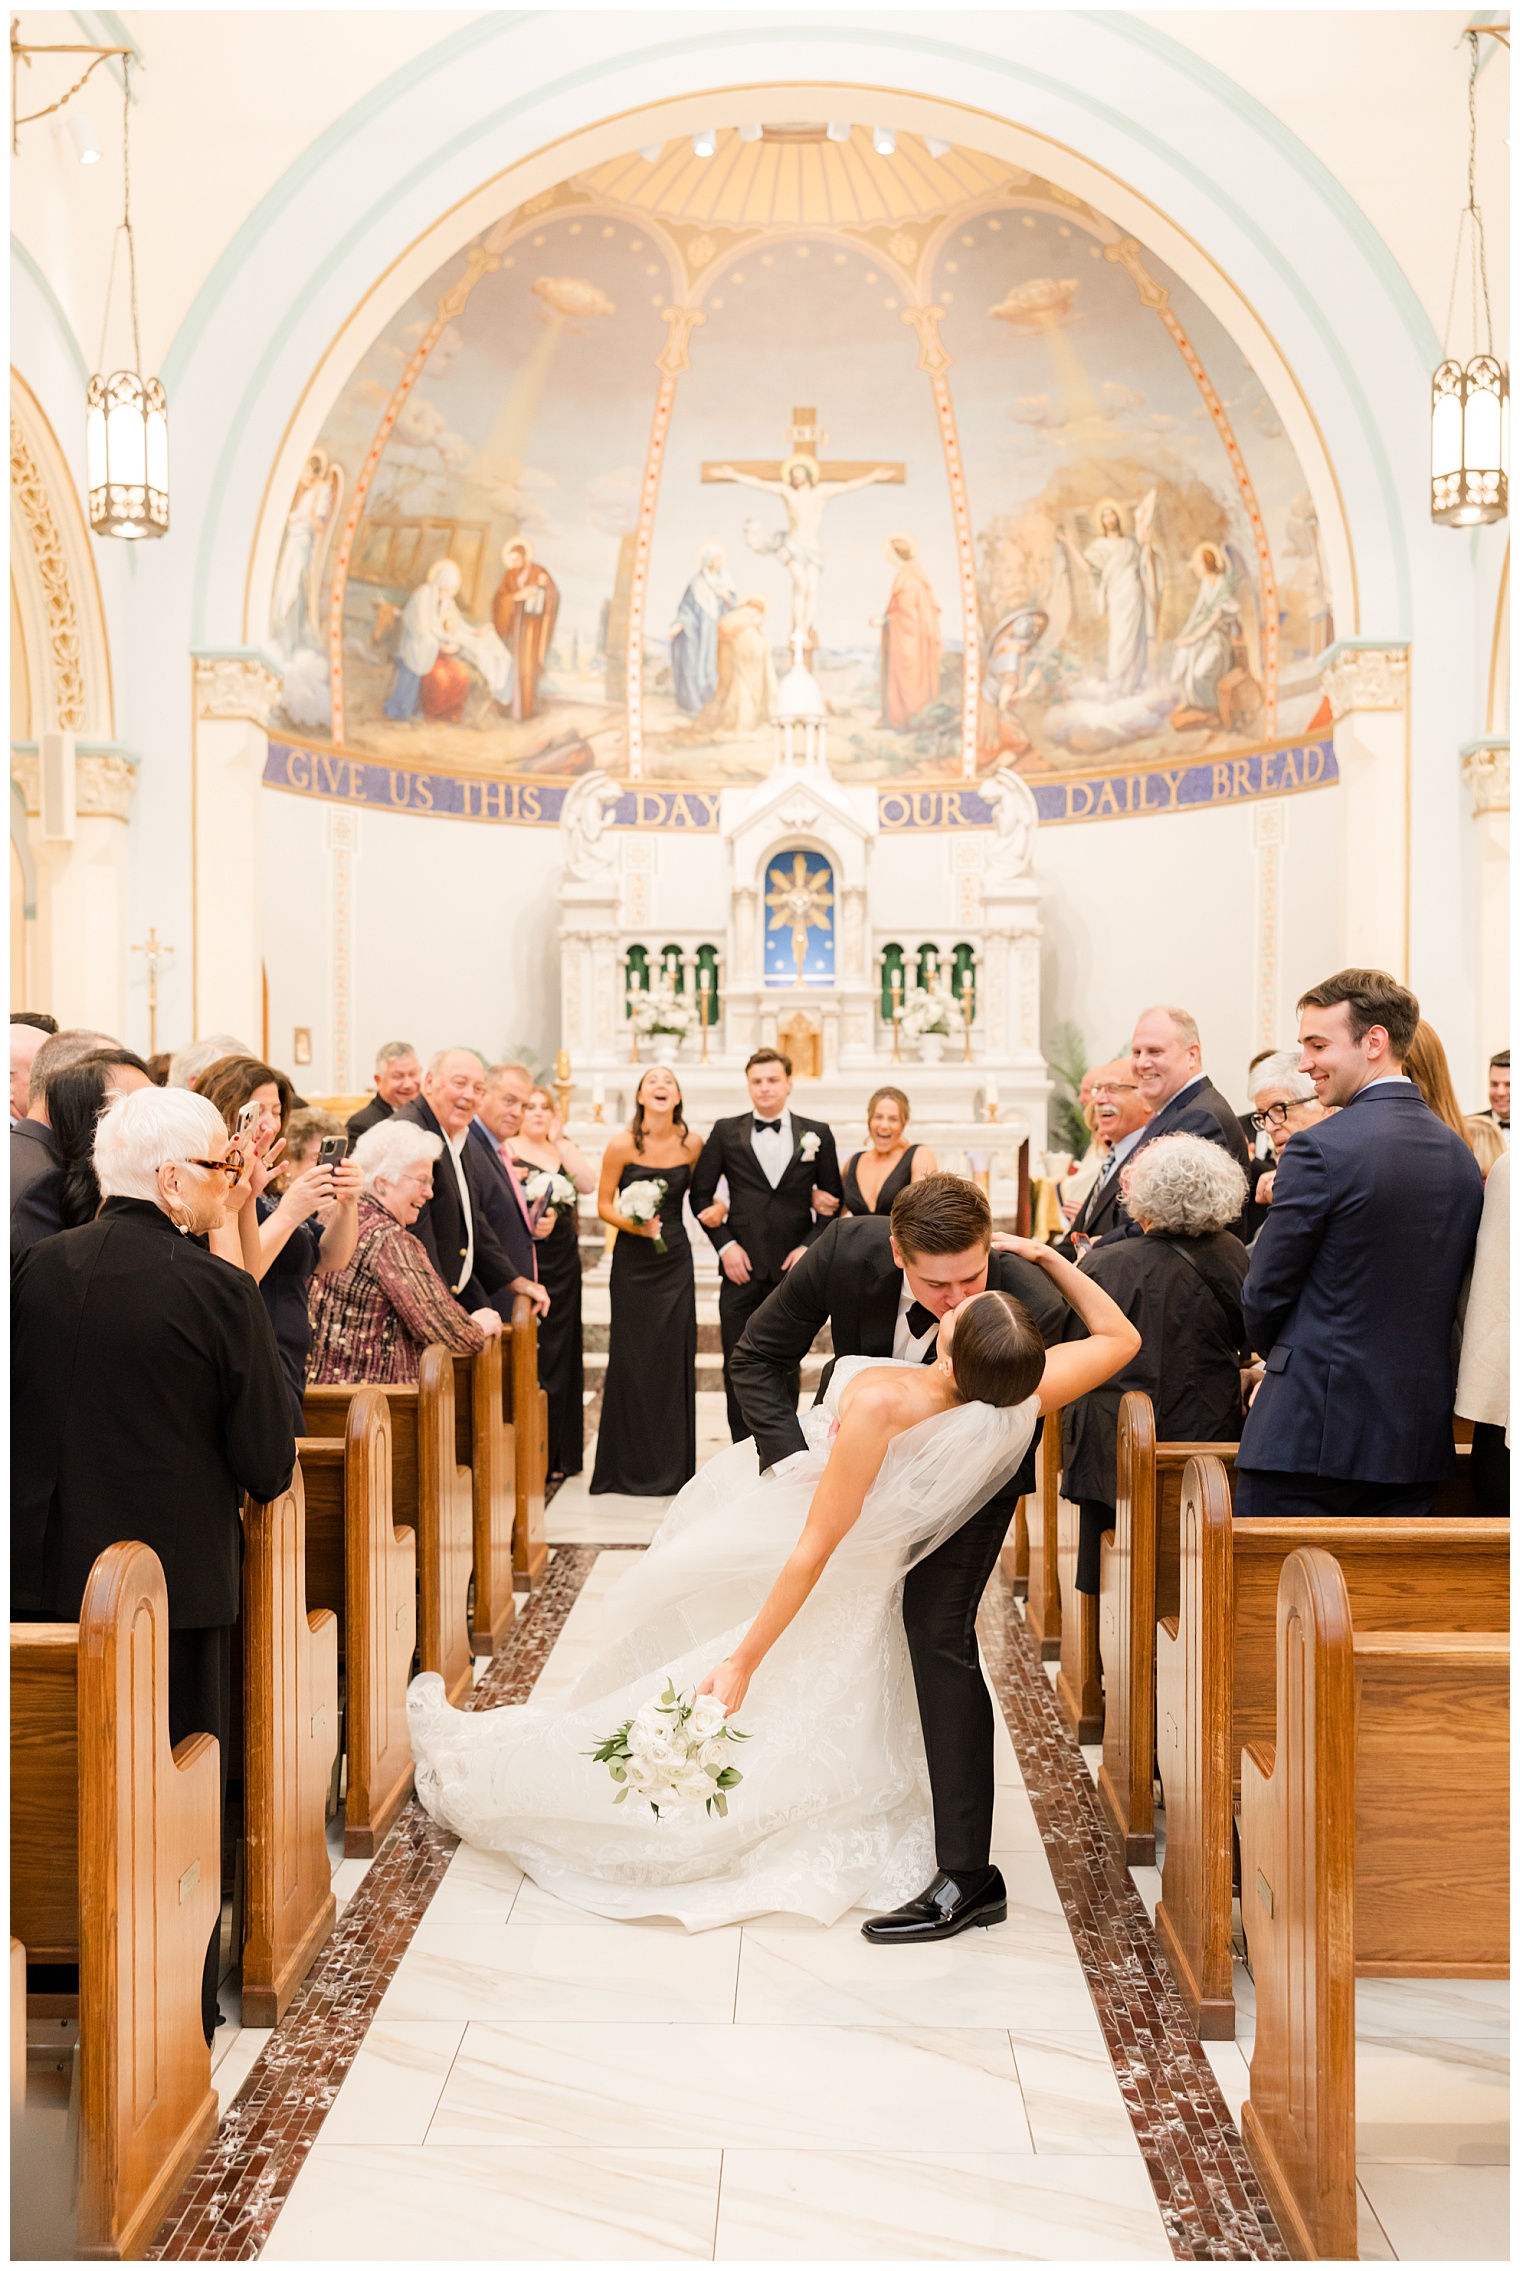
[(898, 1180), (561, 1373), (647, 1447)]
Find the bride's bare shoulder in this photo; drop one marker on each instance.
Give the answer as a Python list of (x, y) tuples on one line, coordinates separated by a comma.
[(891, 1394)]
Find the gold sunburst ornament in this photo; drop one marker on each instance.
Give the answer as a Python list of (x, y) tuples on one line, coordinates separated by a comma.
[(799, 903)]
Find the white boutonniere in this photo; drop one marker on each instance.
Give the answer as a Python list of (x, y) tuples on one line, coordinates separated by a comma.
[(809, 1146)]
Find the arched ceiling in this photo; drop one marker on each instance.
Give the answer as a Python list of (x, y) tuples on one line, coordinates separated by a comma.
[(795, 174)]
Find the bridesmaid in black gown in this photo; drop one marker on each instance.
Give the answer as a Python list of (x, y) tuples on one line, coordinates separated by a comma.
[(541, 1145), (647, 1447), (873, 1178)]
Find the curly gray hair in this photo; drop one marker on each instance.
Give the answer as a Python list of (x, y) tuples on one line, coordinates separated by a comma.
[(1184, 1185), (1280, 1071)]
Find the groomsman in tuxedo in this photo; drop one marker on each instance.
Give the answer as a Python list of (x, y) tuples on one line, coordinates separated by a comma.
[(1121, 1113), (783, 1172), (881, 1286)]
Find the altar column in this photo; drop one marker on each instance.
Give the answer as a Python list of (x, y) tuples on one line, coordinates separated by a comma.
[(590, 991), (1009, 990), (1485, 768), (234, 691), (1367, 681), (79, 964)]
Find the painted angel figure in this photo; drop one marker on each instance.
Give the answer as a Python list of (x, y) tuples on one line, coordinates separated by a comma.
[(799, 547), (1124, 578), (296, 610)]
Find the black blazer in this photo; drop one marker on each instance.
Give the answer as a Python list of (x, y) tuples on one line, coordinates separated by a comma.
[(501, 1208), (36, 1184), (767, 1223), (368, 1116), (1199, 1111), (1183, 1297), (1097, 1213), (147, 1397), (441, 1224), (1352, 1294), (849, 1282)]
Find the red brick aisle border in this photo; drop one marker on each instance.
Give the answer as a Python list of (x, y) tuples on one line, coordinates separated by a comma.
[(1211, 2203), (241, 2182)]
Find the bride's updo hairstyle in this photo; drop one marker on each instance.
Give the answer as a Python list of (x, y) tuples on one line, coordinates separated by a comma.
[(997, 1352)]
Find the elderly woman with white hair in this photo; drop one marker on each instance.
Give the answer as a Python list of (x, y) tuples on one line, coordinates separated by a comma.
[(1179, 1286), (1283, 1100), (372, 1320), (147, 1398)]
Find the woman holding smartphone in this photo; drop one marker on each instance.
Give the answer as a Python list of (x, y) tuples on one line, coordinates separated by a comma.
[(306, 1228)]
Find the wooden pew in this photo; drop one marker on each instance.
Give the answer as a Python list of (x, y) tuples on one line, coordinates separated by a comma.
[(116, 1865), (528, 1409), (1079, 1680), (1013, 1559), (431, 1493), (486, 1443), (1374, 1840), (1137, 1586), (290, 1739), (1042, 1606), (359, 1565), (1216, 1682)]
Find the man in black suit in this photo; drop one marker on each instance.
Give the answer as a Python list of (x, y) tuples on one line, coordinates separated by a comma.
[(1167, 1060), (1121, 1113), (398, 1078), (783, 1171), (507, 1088), (1354, 1280), (882, 1287), (455, 1224)]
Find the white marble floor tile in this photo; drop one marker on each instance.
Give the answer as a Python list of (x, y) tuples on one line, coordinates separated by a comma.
[(1026, 1969), (1371, 2239), (347, 1877), (232, 2070), (607, 1521), (392, 2088), (1454, 2009), (356, 2203), (1071, 2095), (1232, 2071), (886, 2090), (1441, 2215), (1422, 2100), (476, 1885), (1014, 1828), (1029, 1880), (935, 2207), (550, 1972)]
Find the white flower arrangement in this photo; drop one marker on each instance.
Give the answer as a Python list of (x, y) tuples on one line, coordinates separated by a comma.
[(673, 1752), (641, 1203), (923, 1012), (556, 1191), (664, 1012), (809, 1146)]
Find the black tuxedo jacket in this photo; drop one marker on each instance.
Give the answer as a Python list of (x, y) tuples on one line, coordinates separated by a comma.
[(849, 1282), (1199, 1111), (441, 1224), (767, 1223)]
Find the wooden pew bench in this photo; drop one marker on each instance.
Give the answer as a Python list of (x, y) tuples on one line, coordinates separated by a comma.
[(290, 1741), (1216, 1682), (431, 1493), (1042, 1605), (116, 1866), (527, 1408), (1137, 1586), (363, 1568), (1374, 1839)]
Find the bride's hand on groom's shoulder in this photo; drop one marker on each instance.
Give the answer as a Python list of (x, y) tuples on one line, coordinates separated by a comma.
[(1027, 1249), (729, 1682)]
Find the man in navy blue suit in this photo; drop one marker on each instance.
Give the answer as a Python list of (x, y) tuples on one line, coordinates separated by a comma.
[(1166, 1060), (1354, 1280)]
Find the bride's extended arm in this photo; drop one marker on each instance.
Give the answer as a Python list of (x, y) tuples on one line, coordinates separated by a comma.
[(869, 1418), (1112, 1342)]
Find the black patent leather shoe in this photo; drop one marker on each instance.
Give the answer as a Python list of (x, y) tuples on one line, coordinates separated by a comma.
[(949, 1905)]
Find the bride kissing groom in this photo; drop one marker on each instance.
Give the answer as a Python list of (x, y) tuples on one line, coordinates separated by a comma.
[(825, 1577)]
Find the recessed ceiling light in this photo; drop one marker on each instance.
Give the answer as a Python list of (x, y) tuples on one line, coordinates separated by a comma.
[(838, 130), (884, 140), (704, 142)]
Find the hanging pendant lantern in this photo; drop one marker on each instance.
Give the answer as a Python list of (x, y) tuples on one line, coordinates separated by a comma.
[(1469, 402), (127, 416)]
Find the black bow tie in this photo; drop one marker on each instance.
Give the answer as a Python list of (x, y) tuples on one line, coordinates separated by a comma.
[(921, 1321), (762, 1125)]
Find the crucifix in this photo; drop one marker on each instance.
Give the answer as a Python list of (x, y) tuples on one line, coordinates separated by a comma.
[(153, 951), (805, 484), (799, 902)]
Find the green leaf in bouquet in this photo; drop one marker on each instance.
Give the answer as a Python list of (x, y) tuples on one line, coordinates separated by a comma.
[(729, 1778)]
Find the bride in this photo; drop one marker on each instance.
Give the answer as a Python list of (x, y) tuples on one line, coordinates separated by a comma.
[(780, 1594)]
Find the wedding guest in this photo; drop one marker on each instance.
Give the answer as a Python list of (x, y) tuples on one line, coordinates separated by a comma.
[(1120, 1113), (34, 1147), (647, 1444), (1179, 1285), (873, 1178), (306, 1219), (158, 1068), (1483, 1373), (783, 1182), (1498, 1094), (398, 1078), (148, 1399), (1080, 1177), (542, 1148), (1167, 1059), (27, 1037), (453, 1225), (372, 1320), (1286, 1100), (492, 1131), (307, 1129), (187, 1064), (1428, 1067), (68, 1195)]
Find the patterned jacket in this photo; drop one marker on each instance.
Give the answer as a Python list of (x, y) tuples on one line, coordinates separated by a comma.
[(372, 1321)]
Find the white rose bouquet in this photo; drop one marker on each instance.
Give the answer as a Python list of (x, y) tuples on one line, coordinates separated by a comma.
[(673, 1752), (664, 1012), (641, 1202), (549, 1192), (923, 1012)]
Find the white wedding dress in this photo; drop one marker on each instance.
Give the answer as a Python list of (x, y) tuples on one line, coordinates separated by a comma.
[(833, 1810)]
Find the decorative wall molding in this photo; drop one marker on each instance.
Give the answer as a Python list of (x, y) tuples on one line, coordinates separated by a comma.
[(105, 781), (1485, 769), (236, 685), (65, 646), (1366, 674)]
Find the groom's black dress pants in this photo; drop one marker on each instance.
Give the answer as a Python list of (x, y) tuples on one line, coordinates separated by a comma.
[(940, 1600), (736, 1305)]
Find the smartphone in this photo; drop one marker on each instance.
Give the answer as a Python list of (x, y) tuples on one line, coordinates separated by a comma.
[(248, 1119), (334, 1148)]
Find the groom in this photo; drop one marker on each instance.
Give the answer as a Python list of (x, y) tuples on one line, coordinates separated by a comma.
[(782, 1171), (882, 1288)]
